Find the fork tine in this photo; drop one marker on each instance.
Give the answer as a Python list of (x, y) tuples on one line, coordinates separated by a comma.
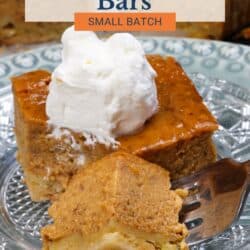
[(188, 207), (195, 235), (192, 199), (193, 215), (186, 183)]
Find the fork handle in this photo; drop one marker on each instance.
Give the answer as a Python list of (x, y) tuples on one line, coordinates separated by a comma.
[(247, 164)]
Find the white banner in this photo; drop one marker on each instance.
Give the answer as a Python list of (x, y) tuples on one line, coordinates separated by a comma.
[(186, 10)]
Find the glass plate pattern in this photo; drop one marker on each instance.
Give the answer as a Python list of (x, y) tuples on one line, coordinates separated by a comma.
[(21, 219)]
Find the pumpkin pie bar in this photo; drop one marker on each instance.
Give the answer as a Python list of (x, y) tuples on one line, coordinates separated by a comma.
[(177, 137), (118, 202)]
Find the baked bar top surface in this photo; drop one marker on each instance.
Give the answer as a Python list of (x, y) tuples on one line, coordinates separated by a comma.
[(120, 188), (31, 91), (181, 115)]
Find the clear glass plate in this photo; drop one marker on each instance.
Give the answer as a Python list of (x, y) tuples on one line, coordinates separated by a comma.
[(21, 219)]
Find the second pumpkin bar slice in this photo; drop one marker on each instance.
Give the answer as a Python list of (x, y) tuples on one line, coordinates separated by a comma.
[(119, 202)]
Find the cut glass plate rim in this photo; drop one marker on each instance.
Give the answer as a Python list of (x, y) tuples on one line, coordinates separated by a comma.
[(234, 238)]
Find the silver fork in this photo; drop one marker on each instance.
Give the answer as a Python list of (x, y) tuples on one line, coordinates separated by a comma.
[(217, 195)]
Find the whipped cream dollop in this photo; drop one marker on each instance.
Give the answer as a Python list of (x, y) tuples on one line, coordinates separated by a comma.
[(103, 89)]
